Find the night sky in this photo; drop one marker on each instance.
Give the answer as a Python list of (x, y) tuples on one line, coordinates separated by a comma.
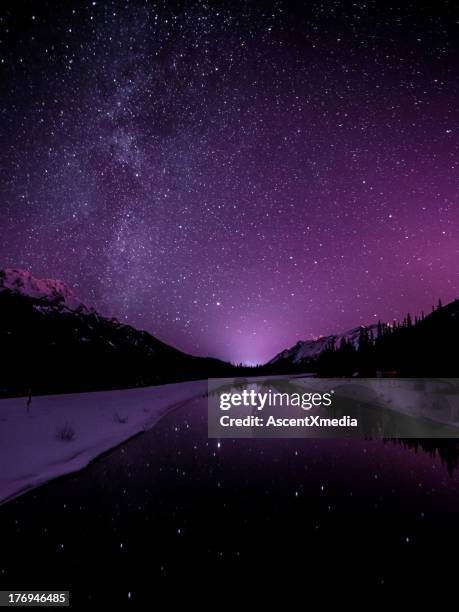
[(233, 176)]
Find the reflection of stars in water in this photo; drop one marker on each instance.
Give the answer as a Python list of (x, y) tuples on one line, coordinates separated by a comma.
[(170, 496)]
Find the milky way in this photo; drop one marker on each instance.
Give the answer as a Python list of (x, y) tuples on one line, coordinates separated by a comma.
[(233, 176)]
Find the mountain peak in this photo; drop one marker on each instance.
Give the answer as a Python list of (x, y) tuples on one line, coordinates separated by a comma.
[(305, 350), (53, 291)]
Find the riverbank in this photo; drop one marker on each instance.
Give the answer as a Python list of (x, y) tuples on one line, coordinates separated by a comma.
[(58, 434)]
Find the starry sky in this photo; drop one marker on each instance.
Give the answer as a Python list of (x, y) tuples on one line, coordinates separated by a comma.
[(233, 176)]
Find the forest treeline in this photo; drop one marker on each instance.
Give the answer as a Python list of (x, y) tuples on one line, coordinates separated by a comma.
[(419, 346)]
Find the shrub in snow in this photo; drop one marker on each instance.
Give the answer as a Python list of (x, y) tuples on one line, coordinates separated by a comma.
[(120, 419), (66, 433)]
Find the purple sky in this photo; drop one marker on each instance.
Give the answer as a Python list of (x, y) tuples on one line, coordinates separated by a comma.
[(233, 179)]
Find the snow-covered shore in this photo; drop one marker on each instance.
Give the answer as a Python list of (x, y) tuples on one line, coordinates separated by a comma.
[(59, 434)]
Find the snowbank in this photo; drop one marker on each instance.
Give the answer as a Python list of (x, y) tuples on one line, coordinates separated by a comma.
[(59, 434)]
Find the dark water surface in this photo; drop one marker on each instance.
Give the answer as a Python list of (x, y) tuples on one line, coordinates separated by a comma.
[(171, 505)]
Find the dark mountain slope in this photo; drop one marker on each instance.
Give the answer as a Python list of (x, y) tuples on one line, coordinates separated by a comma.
[(51, 342)]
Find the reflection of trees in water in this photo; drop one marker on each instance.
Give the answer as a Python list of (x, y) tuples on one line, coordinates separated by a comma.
[(373, 420), (446, 449)]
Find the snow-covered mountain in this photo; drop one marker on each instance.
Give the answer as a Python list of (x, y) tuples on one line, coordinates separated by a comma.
[(50, 341), (416, 346), (48, 291), (305, 351)]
